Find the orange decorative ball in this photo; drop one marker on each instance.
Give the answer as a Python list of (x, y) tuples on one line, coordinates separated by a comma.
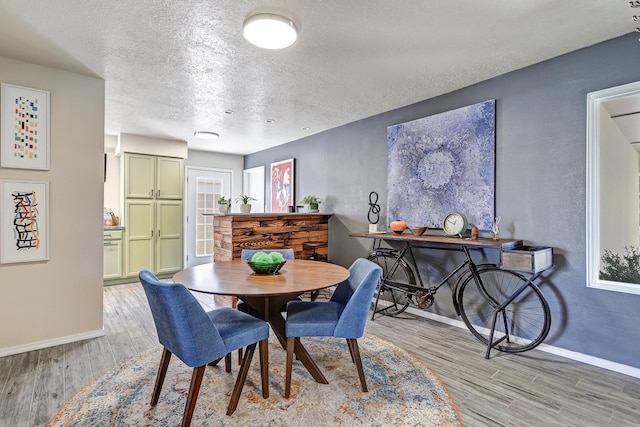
[(398, 226)]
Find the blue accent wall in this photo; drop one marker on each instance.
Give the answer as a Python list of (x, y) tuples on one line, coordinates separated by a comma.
[(540, 185)]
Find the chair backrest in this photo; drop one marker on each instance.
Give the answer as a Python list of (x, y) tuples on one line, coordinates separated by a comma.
[(182, 324), (356, 293), (248, 253)]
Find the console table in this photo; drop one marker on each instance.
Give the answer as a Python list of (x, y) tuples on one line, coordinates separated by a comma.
[(443, 240), (500, 304)]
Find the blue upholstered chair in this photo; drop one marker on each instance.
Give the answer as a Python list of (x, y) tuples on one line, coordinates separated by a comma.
[(199, 338), (343, 316)]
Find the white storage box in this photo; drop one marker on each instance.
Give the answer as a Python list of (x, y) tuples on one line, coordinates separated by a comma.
[(532, 259)]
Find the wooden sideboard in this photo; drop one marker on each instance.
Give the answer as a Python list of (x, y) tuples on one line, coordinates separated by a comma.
[(234, 232)]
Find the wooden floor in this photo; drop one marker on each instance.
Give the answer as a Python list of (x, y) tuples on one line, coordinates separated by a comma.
[(535, 388)]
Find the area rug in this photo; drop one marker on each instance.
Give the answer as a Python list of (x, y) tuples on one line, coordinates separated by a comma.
[(402, 391)]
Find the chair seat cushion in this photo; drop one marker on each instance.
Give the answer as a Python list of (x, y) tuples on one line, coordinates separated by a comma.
[(238, 329), (310, 318)]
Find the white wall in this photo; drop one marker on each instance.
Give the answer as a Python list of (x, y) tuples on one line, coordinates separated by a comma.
[(141, 144), (619, 198), (60, 300), (231, 162)]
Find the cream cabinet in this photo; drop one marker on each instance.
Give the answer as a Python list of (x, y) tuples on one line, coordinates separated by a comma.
[(168, 244), (152, 214), (151, 177), (112, 254), (154, 236)]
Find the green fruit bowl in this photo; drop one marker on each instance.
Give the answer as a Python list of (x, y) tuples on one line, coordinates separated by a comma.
[(266, 268)]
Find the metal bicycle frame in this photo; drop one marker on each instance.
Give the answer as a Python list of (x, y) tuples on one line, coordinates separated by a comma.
[(412, 289), (471, 270)]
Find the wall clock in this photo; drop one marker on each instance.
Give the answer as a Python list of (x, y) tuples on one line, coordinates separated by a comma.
[(454, 224)]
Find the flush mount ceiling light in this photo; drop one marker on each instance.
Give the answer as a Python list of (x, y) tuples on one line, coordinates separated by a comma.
[(269, 31), (203, 134)]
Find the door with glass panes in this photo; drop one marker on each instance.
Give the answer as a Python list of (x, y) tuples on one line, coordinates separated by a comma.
[(204, 188)]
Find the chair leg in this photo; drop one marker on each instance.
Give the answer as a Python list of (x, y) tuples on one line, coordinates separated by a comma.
[(264, 367), (291, 342), (215, 362), (239, 356), (227, 362), (162, 371), (242, 376), (353, 346), (192, 397), (350, 351)]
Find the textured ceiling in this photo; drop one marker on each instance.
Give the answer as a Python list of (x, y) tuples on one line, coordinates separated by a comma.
[(172, 67)]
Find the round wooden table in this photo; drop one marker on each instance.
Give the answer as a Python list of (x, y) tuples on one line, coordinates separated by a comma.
[(266, 294)]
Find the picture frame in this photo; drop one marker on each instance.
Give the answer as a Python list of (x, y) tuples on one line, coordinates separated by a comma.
[(441, 164), (25, 127), (282, 185), (24, 221)]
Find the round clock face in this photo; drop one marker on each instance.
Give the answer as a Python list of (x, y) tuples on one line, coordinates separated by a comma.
[(454, 224)]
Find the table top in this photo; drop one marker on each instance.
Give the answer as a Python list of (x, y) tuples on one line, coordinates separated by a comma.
[(236, 278), (443, 240)]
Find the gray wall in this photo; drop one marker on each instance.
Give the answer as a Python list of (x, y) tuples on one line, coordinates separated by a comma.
[(540, 185)]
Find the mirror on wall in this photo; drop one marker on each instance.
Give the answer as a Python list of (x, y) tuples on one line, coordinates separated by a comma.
[(613, 188)]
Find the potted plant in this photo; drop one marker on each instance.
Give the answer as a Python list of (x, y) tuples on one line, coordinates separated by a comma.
[(312, 202), (223, 205), (245, 206)]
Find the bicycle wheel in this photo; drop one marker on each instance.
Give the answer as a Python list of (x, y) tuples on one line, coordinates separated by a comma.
[(398, 300), (522, 325)]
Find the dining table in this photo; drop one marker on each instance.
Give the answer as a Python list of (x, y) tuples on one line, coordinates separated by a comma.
[(267, 294)]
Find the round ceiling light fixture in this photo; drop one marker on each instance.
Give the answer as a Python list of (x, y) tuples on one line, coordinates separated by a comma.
[(204, 134), (269, 31)]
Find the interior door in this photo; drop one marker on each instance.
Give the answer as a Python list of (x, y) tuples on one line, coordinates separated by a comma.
[(253, 185), (204, 188)]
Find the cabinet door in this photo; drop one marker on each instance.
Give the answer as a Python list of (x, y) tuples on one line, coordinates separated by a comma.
[(139, 240), (139, 176), (169, 228), (112, 256), (169, 178)]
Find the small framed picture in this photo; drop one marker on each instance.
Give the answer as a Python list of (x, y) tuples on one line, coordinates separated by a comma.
[(24, 221), (25, 127), (282, 185)]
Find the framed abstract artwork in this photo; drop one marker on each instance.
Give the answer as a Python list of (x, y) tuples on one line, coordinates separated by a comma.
[(282, 185), (25, 127), (442, 164), (24, 220)]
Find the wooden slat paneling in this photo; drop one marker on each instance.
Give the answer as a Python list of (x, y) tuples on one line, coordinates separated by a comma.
[(232, 233)]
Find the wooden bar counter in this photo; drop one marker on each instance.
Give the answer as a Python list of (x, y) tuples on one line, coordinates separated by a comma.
[(235, 232)]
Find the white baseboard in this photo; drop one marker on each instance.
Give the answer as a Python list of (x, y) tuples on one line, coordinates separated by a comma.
[(573, 355), (51, 343)]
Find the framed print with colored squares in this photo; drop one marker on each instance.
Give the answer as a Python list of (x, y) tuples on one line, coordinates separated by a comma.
[(25, 127)]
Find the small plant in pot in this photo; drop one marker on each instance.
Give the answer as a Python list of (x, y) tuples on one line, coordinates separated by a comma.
[(312, 202), (223, 205), (245, 206)]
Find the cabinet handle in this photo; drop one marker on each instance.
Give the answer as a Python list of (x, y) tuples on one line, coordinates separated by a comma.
[(158, 234), (158, 193), (107, 235), (110, 244), (151, 233), (151, 193)]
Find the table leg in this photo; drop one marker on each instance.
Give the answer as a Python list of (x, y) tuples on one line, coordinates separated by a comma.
[(268, 309)]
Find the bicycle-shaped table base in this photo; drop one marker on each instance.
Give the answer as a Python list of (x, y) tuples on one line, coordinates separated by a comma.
[(502, 308)]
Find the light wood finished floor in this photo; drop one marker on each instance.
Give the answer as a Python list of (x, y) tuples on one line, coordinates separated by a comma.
[(532, 389)]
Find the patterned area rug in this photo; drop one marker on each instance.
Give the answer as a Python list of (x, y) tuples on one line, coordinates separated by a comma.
[(402, 391)]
